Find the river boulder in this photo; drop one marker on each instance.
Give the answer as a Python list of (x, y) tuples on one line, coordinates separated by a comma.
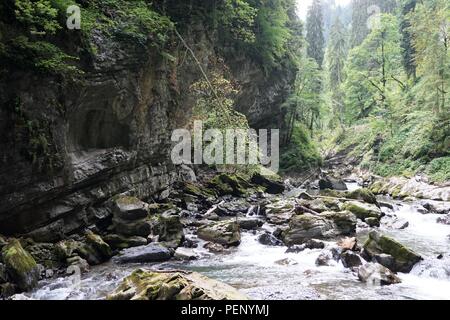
[(327, 225), (129, 208), (225, 232), (332, 183), (173, 285), (247, 223), (168, 228), (152, 252), (117, 241), (20, 265), (363, 210), (404, 258), (351, 259), (269, 239), (271, 184), (376, 274), (229, 184)]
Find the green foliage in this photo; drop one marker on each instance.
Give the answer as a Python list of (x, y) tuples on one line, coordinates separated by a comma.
[(314, 32), (439, 169), (238, 17), (38, 15), (271, 32), (300, 153), (374, 74), (140, 23), (41, 56)]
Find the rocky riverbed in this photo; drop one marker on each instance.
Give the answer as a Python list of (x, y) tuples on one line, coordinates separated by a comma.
[(258, 235)]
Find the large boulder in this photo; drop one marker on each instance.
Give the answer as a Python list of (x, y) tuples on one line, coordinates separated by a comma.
[(271, 184), (168, 228), (20, 265), (404, 258), (362, 194), (102, 249), (250, 223), (376, 274), (141, 228), (129, 208), (363, 210), (351, 259), (149, 253), (117, 241), (332, 183), (223, 232), (327, 225), (167, 285), (269, 239), (232, 184)]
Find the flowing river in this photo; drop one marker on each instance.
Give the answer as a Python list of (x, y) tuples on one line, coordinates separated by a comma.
[(267, 272)]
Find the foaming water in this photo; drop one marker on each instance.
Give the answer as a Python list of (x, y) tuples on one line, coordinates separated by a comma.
[(267, 272)]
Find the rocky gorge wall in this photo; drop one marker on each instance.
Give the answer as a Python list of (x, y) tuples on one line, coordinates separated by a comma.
[(68, 148)]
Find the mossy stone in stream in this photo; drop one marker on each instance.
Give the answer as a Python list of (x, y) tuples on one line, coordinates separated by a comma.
[(168, 228), (404, 258), (167, 285), (362, 194), (198, 191), (117, 241), (362, 210), (232, 184), (100, 246), (224, 232), (21, 266)]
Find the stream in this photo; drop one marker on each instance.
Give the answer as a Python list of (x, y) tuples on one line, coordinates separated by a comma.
[(257, 271)]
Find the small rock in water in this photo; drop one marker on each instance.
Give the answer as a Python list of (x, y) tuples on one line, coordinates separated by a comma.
[(347, 243), (269, 240), (149, 253), (185, 254), (385, 260), (372, 222), (350, 259), (215, 247), (376, 274), (325, 259), (250, 223), (444, 220), (286, 262)]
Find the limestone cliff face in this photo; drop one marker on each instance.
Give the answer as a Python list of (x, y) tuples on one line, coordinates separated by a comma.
[(67, 148)]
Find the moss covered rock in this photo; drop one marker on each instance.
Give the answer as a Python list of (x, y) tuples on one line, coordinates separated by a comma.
[(404, 258), (362, 210), (232, 184), (151, 285), (198, 190), (168, 228), (100, 246), (20, 265), (117, 241), (362, 194), (223, 232), (328, 225), (129, 208), (271, 184)]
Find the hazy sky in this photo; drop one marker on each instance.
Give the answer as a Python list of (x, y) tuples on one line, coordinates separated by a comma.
[(304, 4)]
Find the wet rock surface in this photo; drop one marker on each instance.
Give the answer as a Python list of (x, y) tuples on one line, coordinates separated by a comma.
[(166, 285)]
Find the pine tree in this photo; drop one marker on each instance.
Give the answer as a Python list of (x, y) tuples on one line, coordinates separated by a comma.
[(407, 45), (336, 55), (315, 33)]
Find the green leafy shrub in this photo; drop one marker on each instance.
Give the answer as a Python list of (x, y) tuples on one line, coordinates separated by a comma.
[(39, 15), (300, 153), (439, 169)]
